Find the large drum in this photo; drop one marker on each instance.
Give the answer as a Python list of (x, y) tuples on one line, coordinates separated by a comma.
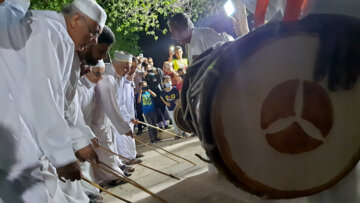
[(264, 122)]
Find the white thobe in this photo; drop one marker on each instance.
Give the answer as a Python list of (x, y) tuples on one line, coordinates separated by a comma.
[(85, 92), (73, 112), (125, 145), (30, 31), (24, 175), (38, 73), (25, 77), (203, 38), (13, 10), (106, 119), (74, 116)]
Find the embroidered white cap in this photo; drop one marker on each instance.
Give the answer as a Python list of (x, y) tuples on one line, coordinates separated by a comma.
[(100, 64), (92, 10), (122, 56)]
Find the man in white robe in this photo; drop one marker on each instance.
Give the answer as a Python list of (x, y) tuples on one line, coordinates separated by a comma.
[(26, 174), (23, 169), (73, 114), (126, 146), (196, 40), (38, 73), (86, 99), (107, 118)]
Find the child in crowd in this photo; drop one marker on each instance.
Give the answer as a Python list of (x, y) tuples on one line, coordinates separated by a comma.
[(181, 73), (169, 96), (174, 77), (146, 99)]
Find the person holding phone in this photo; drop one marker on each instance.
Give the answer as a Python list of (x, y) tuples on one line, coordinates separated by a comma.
[(179, 62)]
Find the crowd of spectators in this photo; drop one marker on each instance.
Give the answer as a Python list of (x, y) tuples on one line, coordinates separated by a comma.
[(157, 91)]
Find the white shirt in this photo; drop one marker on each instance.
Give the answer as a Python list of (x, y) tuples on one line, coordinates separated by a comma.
[(203, 38), (39, 72)]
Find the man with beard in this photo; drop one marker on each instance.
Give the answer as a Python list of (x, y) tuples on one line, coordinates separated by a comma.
[(75, 113)]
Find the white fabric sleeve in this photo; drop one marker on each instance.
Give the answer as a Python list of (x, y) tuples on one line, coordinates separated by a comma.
[(212, 39), (107, 95), (122, 104), (124, 112), (75, 118), (12, 10)]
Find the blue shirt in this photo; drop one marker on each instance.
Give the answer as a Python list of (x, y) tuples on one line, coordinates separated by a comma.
[(171, 97), (147, 102)]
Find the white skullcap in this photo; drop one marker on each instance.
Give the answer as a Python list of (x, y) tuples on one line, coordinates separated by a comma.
[(121, 56), (100, 64), (92, 10)]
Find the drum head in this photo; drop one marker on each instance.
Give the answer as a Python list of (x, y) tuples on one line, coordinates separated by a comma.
[(279, 134)]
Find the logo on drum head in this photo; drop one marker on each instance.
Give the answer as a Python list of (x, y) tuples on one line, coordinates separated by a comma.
[(297, 116)]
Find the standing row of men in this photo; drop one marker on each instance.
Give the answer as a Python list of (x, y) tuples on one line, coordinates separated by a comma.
[(51, 118)]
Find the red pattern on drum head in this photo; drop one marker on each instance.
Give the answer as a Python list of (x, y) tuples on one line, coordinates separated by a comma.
[(316, 110)]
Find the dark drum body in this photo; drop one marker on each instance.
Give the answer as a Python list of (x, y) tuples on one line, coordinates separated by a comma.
[(262, 119), (179, 120)]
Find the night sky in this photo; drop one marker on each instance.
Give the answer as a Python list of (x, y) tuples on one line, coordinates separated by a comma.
[(159, 49)]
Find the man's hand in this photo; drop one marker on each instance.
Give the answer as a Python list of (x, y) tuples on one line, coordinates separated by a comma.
[(95, 142), (87, 153), (71, 171), (338, 58), (135, 122), (129, 134)]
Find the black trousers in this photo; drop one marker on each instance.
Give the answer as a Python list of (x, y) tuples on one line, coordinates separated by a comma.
[(151, 119), (139, 113)]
